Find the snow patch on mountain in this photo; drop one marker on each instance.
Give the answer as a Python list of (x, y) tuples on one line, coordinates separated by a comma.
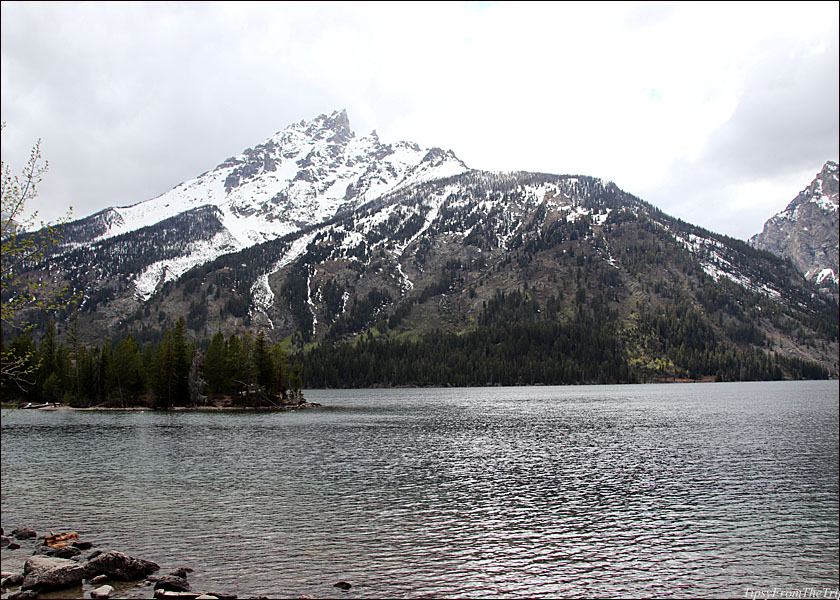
[(825, 275), (708, 253), (197, 253)]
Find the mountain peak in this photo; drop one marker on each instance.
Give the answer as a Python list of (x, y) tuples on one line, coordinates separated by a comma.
[(806, 231)]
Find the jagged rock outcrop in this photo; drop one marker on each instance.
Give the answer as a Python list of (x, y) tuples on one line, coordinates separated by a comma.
[(806, 232)]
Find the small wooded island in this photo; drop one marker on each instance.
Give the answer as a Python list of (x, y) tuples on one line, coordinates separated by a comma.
[(233, 373)]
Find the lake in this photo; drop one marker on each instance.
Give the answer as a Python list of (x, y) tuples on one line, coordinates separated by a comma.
[(671, 490)]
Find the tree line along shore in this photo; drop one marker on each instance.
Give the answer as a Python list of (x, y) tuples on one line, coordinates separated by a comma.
[(234, 372)]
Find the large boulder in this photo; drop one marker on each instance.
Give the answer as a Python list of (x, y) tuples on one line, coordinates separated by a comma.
[(120, 567), (46, 573)]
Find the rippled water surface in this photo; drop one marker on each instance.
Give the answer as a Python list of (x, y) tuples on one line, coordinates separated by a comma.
[(622, 491)]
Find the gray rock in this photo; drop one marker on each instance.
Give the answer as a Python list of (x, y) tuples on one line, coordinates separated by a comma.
[(24, 533), (104, 591), (99, 579), (5, 541), (342, 585), (806, 232), (172, 583), (11, 580), (82, 545), (45, 573), (119, 566), (13, 546)]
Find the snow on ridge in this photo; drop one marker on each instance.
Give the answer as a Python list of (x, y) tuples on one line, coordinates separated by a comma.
[(716, 266), (436, 201), (197, 253), (826, 274)]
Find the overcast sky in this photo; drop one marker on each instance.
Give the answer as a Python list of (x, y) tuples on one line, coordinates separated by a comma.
[(717, 113)]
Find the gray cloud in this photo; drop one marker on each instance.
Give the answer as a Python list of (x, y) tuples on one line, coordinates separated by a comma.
[(133, 98)]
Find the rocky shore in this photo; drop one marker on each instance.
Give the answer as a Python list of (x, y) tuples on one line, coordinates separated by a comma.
[(62, 563), (64, 566)]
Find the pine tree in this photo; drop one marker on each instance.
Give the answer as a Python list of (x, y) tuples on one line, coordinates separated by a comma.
[(263, 363), (214, 368), (163, 377), (182, 359)]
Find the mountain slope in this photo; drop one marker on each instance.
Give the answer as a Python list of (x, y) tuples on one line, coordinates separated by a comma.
[(403, 255), (806, 232), (669, 298)]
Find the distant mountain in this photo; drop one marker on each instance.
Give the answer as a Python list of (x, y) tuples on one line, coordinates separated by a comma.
[(807, 231), (389, 264)]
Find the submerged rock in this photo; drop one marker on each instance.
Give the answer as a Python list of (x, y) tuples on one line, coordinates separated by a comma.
[(342, 585)]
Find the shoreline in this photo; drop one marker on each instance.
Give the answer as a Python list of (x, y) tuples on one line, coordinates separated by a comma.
[(171, 409)]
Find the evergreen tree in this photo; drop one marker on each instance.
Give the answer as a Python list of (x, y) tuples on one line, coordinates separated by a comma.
[(163, 376), (214, 367), (233, 362), (263, 363), (281, 366), (47, 365), (125, 373), (182, 358)]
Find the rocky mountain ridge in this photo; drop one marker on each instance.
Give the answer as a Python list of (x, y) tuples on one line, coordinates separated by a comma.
[(806, 232), (300, 176)]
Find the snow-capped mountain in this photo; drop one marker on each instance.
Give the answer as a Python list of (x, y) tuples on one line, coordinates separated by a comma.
[(300, 176), (806, 232), (316, 235)]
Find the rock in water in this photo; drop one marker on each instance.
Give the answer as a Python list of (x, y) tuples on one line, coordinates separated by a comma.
[(10, 580), (119, 566), (182, 572), (104, 591), (45, 573), (343, 585), (24, 533), (172, 583)]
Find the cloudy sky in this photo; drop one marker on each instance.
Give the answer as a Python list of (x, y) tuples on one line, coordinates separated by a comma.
[(717, 113)]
